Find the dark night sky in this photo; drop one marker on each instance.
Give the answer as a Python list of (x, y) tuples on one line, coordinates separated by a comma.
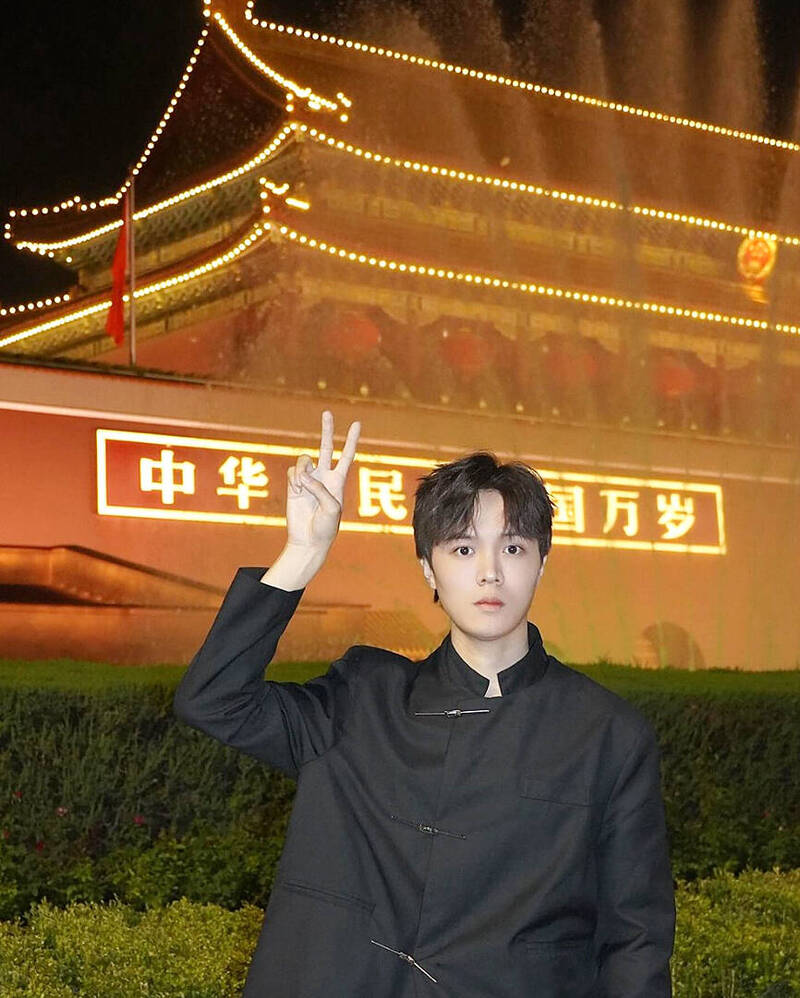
[(83, 84)]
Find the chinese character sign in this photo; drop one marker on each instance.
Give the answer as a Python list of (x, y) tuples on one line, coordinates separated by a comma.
[(245, 478), (621, 503), (381, 492), (639, 514), (165, 476)]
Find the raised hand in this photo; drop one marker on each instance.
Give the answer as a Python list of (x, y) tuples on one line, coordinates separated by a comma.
[(314, 494), (313, 509)]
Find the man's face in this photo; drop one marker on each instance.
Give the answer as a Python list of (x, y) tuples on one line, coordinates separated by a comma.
[(487, 578)]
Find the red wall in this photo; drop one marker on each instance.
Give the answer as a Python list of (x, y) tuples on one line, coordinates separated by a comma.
[(740, 607)]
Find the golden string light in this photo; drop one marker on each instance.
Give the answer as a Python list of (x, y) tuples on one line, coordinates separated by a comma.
[(704, 316), (48, 249), (661, 214), (415, 269), (314, 101), (32, 306), (518, 186), (414, 166), (43, 327), (76, 201), (252, 237), (277, 142), (524, 85), (159, 129), (46, 209)]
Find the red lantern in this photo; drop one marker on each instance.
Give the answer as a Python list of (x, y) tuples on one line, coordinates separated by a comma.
[(571, 364), (466, 352), (673, 377), (350, 337)]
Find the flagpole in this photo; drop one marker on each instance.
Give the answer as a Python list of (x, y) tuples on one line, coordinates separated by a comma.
[(131, 275)]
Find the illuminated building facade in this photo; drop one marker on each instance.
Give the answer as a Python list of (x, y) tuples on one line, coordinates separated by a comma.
[(462, 261)]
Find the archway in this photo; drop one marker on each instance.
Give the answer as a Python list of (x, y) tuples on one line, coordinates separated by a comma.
[(666, 644)]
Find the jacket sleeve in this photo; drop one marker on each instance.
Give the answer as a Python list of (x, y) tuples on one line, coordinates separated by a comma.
[(636, 909), (224, 694)]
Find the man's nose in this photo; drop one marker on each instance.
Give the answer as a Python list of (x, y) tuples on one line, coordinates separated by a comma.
[(489, 569)]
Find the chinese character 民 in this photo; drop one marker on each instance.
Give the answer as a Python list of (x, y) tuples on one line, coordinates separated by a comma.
[(381, 492), (174, 477), (677, 515), (570, 511), (244, 478), (621, 501)]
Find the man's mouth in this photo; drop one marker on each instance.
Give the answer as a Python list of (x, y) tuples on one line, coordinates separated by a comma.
[(489, 602)]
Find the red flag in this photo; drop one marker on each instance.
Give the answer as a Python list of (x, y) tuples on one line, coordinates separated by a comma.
[(115, 322)]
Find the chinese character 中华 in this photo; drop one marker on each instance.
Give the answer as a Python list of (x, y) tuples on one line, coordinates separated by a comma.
[(175, 477), (244, 478)]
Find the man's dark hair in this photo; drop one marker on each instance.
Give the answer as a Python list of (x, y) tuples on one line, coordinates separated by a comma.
[(444, 505)]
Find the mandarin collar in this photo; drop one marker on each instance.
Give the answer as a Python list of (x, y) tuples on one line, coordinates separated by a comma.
[(446, 678), (522, 673)]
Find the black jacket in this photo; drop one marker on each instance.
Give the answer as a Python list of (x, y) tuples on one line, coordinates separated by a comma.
[(443, 843)]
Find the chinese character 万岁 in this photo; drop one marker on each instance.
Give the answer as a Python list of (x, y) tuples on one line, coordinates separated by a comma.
[(621, 501), (677, 514)]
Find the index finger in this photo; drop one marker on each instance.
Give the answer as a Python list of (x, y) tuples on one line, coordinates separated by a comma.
[(349, 449)]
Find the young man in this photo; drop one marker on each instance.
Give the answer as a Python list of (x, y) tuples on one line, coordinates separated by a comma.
[(486, 823)]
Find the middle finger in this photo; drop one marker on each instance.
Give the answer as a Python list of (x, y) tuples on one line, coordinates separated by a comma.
[(326, 441)]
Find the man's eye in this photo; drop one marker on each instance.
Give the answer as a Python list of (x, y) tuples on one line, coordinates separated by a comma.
[(514, 549), (463, 549)]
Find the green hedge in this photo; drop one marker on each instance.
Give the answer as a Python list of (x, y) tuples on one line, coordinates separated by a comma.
[(736, 938), (183, 951), (103, 792), (225, 869)]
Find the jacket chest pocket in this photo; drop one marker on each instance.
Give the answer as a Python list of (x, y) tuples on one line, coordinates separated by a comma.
[(561, 969), (564, 792)]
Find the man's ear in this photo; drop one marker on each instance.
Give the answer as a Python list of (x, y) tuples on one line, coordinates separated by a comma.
[(427, 571), (544, 562)]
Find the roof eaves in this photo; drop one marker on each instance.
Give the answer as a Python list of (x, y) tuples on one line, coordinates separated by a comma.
[(506, 184), (76, 202), (294, 90), (280, 140), (605, 302), (500, 80), (253, 237)]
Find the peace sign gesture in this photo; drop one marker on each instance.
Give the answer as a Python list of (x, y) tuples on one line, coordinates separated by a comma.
[(313, 509), (314, 494)]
